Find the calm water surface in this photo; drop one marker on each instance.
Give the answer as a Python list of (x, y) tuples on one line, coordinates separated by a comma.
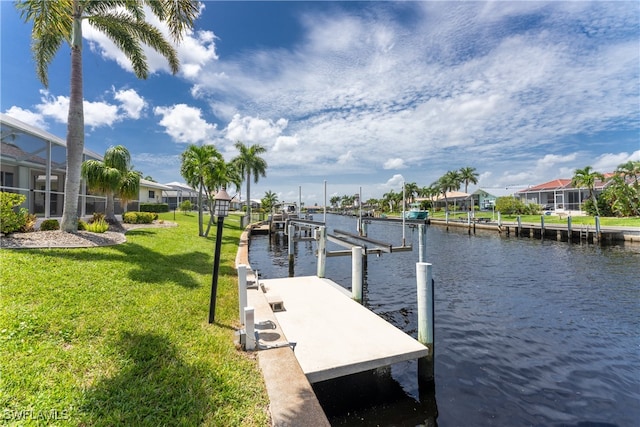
[(528, 332)]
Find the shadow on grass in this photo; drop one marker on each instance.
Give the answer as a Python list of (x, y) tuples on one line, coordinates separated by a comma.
[(156, 267), (155, 387), (151, 266)]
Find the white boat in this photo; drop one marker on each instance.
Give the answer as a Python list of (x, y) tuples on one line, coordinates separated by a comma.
[(416, 212)]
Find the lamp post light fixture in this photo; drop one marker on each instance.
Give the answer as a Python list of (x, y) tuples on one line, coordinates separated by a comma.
[(221, 210)]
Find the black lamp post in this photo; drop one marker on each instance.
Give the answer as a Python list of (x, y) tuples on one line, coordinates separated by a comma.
[(221, 210)]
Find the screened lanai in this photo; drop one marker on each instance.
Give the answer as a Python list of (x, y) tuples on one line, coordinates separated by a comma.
[(33, 163)]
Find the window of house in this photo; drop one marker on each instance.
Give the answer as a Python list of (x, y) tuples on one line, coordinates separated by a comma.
[(6, 179), (152, 194)]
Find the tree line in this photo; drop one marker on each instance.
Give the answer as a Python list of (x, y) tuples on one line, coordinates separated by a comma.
[(452, 180)]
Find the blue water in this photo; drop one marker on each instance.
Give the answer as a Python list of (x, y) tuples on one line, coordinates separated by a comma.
[(528, 332)]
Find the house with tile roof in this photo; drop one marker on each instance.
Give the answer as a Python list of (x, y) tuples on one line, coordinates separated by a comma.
[(560, 195)]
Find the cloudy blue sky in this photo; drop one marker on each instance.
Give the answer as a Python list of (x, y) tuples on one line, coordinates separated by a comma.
[(361, 94)]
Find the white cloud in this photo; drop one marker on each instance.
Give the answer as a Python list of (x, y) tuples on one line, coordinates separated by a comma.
[(96, 114), (185, 124), (254, 130), (608, 162), (395, 182), (551, 160), (196, 50), (346, 158), (29, 117), (396, 163), (285, 144), (132, 103)]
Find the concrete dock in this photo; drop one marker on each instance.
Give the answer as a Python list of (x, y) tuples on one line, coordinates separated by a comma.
[(334, 335), (319, 333)]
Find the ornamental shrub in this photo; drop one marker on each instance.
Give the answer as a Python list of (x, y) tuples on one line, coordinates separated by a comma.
[(50, 225), (99, 226), (514, 206), (12, 217), (185, 206), (139, 217)]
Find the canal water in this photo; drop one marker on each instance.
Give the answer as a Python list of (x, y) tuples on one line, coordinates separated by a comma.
[(528, 332)]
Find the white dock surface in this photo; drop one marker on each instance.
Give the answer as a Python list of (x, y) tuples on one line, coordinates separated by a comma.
[(334, 335)]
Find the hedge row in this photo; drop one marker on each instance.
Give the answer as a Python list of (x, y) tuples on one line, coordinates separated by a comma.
[(154, 207), (139, 217)]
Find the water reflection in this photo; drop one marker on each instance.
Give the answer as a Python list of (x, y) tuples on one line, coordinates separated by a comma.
[(375, 398)]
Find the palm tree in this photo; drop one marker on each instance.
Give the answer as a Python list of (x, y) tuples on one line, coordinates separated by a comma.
[(123, 22), (391, 199), (269, 200), (630, 169), (346, 201), (249, 162), (468, 175), (334, 200), (411, 190), (586, 178), (428, 192), (220, 174), (450, 181), (113, 176), (197, 163)]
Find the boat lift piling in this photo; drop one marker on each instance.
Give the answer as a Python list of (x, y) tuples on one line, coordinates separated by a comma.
[(426, 314), (421, 242), (357, 273), (291, 248)]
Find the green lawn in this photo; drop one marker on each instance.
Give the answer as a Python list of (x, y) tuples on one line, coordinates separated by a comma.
[(548, 219), (119, 335)]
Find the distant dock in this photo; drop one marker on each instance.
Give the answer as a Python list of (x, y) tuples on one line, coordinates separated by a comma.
[(560, 232)]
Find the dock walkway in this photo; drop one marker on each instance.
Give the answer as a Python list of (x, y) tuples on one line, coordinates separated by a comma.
[(334, 335)]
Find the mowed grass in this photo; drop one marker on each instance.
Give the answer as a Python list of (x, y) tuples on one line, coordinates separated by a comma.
[(548, 219), (120, 335)]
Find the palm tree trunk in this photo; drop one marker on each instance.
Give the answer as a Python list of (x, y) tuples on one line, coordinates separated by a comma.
[(249, 195), (592, 194), (200, 226), (75, 131), (110, 208)]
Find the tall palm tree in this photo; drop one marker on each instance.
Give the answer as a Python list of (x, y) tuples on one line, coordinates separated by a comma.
[(196, 166), (113, 176), (586, 178), (390, 199), (123, 22), (468, 175), (450, 181), (411, 189), (334, 200), (250, 163)]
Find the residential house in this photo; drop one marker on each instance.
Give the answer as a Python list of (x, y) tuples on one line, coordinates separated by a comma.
[(33, 162), (560, 195)]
